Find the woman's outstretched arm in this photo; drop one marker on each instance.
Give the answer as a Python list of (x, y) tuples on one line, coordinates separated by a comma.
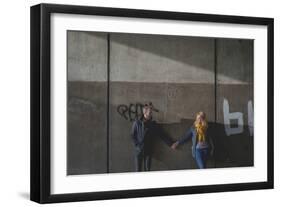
[(183, 139)]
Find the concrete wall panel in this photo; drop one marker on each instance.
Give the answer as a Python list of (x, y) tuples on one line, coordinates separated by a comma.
[(86, 128), (86, 102), (87, 56), (176, 74), (234, 102)]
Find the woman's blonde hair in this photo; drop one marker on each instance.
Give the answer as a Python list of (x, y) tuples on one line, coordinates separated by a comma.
[(201, 128)]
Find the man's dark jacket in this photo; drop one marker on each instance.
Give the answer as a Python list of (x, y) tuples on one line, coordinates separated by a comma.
[(145, 135)]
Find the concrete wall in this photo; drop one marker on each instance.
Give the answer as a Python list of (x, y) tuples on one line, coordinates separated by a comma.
[(87, 102), (169, 72), (234, 102), (179, 75)]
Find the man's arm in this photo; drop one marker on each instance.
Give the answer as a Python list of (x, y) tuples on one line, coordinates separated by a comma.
[(162, 135)]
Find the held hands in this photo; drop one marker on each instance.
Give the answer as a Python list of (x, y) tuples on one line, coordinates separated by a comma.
[(175, 145)]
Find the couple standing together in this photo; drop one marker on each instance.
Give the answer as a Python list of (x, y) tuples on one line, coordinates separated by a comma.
[(145, 129)]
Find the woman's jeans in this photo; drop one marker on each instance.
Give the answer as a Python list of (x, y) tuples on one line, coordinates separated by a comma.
[(201, 155)]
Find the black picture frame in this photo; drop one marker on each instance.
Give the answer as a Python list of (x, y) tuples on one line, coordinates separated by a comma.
[(41, 96)]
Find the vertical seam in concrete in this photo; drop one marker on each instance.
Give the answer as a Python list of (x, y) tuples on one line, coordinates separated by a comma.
[(166, 99), (215, 77), (108, 96), (251, 88), (67, 95)]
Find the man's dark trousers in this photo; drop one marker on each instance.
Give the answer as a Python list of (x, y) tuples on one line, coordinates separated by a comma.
[(142, 159)]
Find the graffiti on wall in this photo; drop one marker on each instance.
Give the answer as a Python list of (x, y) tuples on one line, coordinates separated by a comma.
[(238, 116), (132, 111)]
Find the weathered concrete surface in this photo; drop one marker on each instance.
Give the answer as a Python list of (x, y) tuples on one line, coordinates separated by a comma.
[(86, 128), (234, 149), (86, 56), (161, 59), (87, 102), (235, 88), (177, 75), (235, 61)]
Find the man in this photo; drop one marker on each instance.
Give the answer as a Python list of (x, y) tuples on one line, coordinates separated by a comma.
[(144, 132)]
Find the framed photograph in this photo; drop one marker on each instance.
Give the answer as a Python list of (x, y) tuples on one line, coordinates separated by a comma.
[(132, 103)]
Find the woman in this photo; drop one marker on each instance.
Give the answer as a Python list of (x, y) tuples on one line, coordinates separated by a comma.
[(202, 144)]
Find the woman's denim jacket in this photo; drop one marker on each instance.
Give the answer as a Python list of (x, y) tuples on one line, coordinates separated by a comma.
[(191, 133)]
